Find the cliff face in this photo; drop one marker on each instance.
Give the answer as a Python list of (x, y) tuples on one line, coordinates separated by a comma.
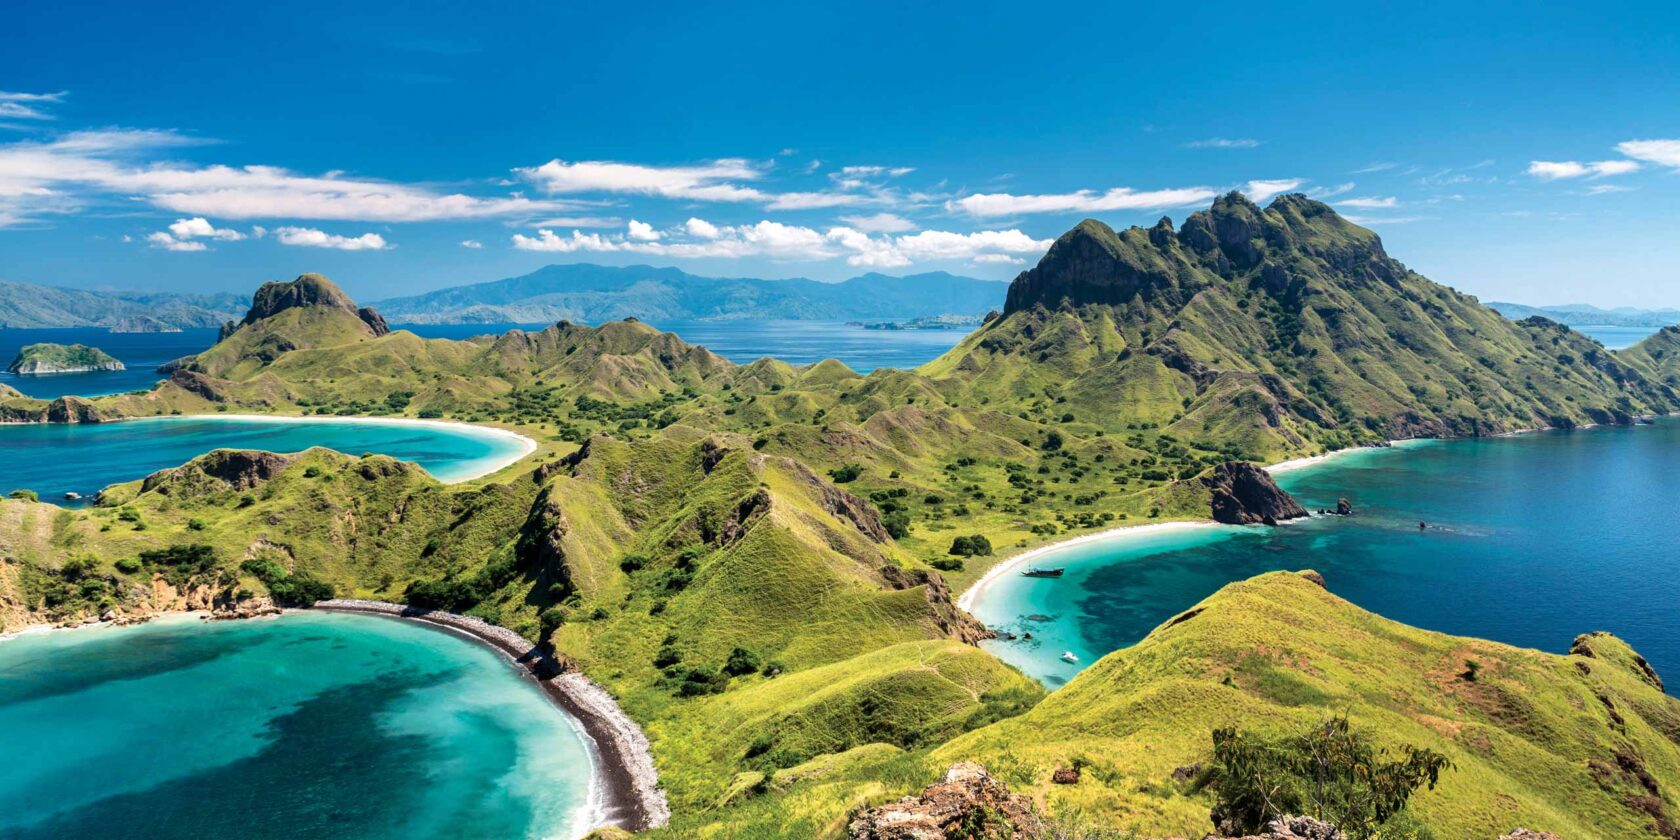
[(309, 290)]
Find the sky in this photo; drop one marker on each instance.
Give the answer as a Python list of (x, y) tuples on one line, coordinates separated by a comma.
[(1516, 151)]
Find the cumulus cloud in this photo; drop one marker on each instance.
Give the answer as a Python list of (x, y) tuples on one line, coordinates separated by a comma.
[(164, 240), (1260, 192), (642, 231), (880, 223), (1659, 152), (1552, 170), (199, 227), (313, 238), (1223, 143), (698, 238), (1083, 201), (1370, 202), (72, 166)]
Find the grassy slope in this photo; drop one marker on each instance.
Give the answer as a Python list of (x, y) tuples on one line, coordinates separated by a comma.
[(1536, 737)]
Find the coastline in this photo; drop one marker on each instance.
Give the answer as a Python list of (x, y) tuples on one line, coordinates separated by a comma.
[(971, 596), (624, 790), (526, 445)]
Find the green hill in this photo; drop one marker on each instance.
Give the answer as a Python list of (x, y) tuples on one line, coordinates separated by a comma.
[(26, 306), (62, 358)]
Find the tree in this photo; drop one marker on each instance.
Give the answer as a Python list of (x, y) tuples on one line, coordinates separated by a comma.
[(741, 661), (1331, 772), (973, 545)]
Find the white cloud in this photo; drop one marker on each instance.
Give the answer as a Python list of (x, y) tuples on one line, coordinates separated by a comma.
[(874, 171), (163, 240), (707, 182), (1223, 143), (577, 221), (1606, 189), (1322, 193), (880, 223), (1660, 152), (1261, 191), (1083, 201), (24, 106), (642, 231), (74, 166), (698, 238), (1370, 202), (199, 227), (312, 238), (1552, 170), (998, 259), (472, 243)]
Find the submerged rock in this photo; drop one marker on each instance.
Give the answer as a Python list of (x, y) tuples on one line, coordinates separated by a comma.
[(1244, 494)]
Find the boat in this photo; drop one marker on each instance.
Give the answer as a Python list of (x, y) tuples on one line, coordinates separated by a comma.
[(1035, 571), (1067, 656)]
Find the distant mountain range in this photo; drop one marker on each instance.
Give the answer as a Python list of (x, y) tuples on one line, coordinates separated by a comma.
[(33, 306), (1586, 315), (596, 294)]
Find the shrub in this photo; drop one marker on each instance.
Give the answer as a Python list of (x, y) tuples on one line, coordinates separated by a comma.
[(128, 565), (947, 564), (1331, 772), (897, 524), (847, 473), (741, 661), (26, 495), (973, 545)]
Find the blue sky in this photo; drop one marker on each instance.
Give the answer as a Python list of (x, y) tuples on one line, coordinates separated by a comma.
[(1517, 151)]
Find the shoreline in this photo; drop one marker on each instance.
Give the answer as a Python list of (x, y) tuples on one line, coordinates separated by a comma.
[(624, 789), (969, 597), (526, 445)]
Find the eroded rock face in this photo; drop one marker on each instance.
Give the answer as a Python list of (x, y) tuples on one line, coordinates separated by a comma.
[(952, 620), (1297, 828), (1525, 834), (1244, 494), (967, 798), (238, 469)]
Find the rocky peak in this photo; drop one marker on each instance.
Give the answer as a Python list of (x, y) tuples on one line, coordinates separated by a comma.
[(308, 290), (1092, 264)]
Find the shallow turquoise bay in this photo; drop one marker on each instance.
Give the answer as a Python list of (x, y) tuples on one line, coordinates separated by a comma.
[(1533, 539), (53, 459), (309, 725)]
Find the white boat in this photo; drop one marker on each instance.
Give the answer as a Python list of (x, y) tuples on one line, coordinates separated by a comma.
[(1067, 656)]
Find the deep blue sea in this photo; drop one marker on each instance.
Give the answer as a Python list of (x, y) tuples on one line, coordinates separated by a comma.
[(53, 459), (1532, 540), (306, 726), (141, 353)]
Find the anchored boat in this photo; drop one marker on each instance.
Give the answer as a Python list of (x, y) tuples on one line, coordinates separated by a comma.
[(1034, 571)]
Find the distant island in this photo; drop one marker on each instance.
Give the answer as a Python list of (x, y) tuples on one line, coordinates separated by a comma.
[(596, 294), (62, 358), (30, 306), (932, 322), (1587, 315)]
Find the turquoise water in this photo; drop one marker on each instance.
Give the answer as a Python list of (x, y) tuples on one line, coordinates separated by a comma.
[(306, 726), (53, 459), (1533, 539)]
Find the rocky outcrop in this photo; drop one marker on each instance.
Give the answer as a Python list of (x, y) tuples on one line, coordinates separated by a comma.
[(968, 796), (230, 469), (1525, 834), (73, 410), (951, 619), (1244, 494), (1296, 828)]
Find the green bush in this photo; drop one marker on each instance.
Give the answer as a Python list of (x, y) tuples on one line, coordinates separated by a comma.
[(1331, 772), (973, 545), (26, 495), (128, 565), (741, 661), (845, 474)]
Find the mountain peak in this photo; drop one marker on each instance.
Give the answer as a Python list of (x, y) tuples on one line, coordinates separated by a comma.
[(308, 290)]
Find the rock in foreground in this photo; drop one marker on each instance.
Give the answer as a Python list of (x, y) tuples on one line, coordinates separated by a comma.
[(967, 800)]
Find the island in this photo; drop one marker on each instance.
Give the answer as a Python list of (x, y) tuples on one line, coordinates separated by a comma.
[(45, 358), (143, 324)]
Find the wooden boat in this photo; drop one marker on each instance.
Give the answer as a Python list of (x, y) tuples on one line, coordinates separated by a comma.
[(1035, 571)]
